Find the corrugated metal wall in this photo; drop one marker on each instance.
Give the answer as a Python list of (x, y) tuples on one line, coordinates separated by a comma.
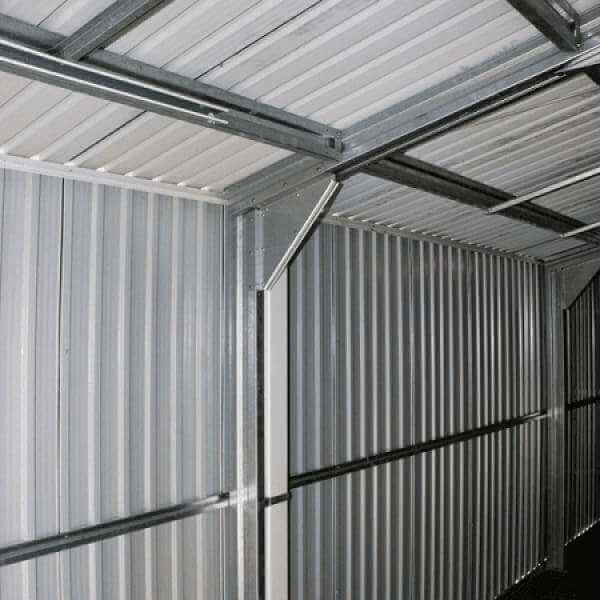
[(395, 342), (110, 321), (583, 421)]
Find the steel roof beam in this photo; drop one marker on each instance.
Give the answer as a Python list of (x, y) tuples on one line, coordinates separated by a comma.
[(494, 84), (113, 22), (420, 175), (26, 50), (561, 29)]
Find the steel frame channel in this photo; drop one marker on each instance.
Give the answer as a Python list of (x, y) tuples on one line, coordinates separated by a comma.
[(556, 424), (368, 462), (542, 15), (112, 23), (87, 535), (25, 50)]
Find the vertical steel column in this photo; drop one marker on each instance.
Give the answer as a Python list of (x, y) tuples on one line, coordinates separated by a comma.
[(276, 440), (555, 481), (266, 240), (248, 303)]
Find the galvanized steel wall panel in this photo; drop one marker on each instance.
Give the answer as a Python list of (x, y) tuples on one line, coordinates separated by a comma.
[(583, 422), (395, 342), (30, 222), (140, 352), (153, 567), (458, 522), (110, 314)]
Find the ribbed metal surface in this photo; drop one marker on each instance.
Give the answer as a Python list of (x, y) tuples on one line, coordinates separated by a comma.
[(62, 16), (460, 522), (177, 561), (397, 341), (529, 144), (583, 422), (30, 222), (333, 60), (583, 463), (370, 200), (140, 339), (110, 314), (583, 331)]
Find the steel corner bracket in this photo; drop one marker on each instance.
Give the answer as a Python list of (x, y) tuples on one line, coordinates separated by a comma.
[(284, 224), (576, 280)]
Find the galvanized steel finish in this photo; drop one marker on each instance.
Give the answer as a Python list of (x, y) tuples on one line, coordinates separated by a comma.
[(457, 523), (337, 61), (396, 341), (583, 423), (393, 342), (110, 313)]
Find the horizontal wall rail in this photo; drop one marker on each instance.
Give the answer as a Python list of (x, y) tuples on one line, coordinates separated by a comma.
[(581, 403), (368, 462), (87, 535)]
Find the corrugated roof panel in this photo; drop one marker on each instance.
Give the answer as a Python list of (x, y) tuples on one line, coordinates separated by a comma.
[(553, 247), (334, 60), (532, 143), (61, 16), (371, 200), (48, 123)]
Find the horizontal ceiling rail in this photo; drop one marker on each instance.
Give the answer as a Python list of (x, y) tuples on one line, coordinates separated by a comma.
[(95, 533), (555, 187), (375, 460), (515, 73), (580, 230), (420, 175), (113, 22), (561, 29), (24, 51)]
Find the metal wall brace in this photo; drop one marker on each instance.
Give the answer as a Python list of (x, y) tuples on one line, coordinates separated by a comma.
[(284, 224)]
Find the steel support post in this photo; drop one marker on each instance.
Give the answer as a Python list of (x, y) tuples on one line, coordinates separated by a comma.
[(275, 447), (248, 352), (555, 480), (267, 238)]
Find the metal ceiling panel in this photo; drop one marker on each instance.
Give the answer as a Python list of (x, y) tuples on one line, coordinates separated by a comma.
[(61, 16), (334, 60), (581, 201), (365, 199), (337, 62), (532, 143)]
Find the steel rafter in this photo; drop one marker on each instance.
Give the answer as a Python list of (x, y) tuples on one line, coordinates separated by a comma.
[(562, 29), (113, 22), (437, 180), (26, 50)]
